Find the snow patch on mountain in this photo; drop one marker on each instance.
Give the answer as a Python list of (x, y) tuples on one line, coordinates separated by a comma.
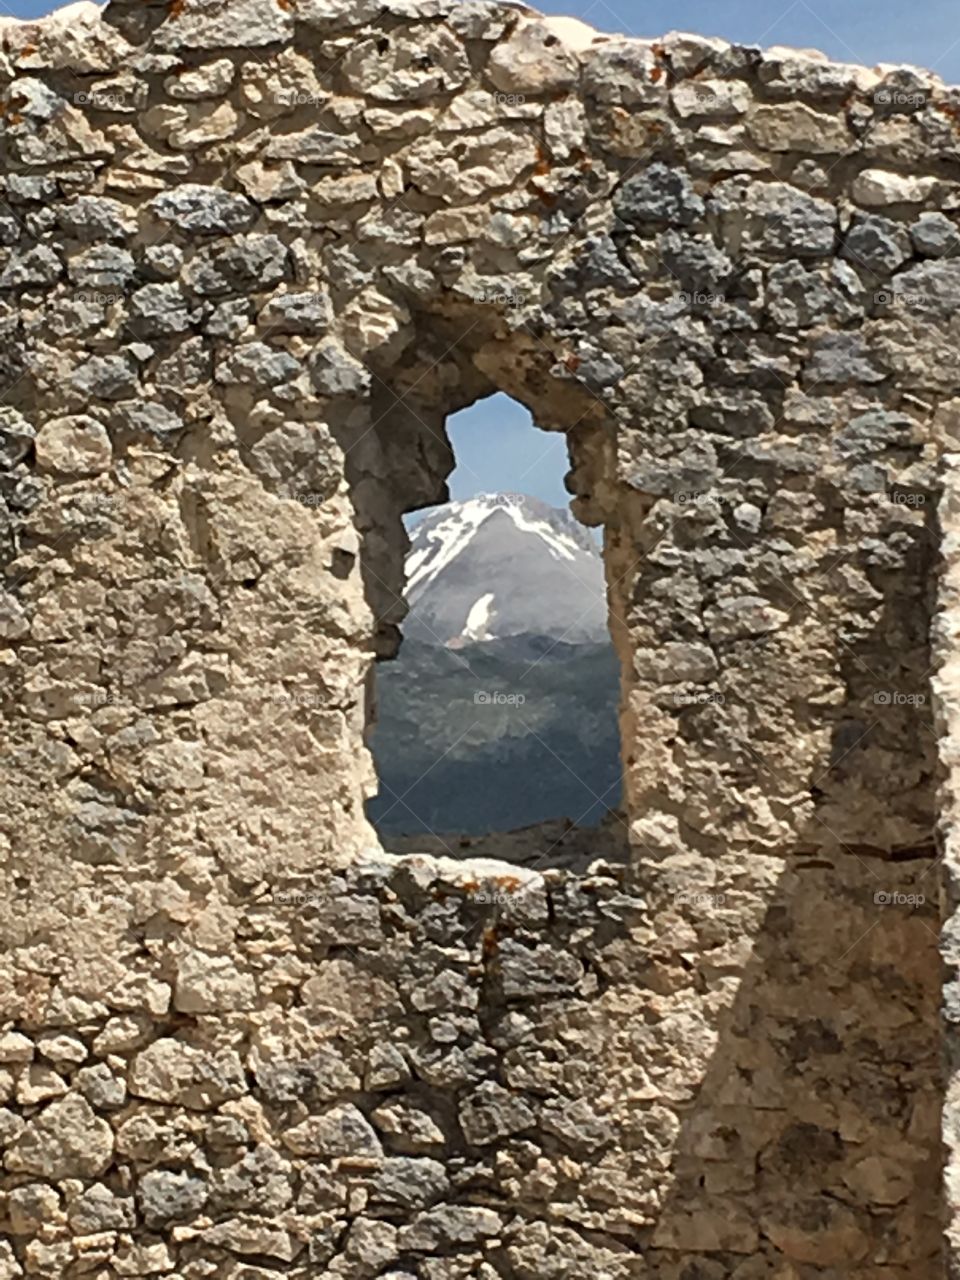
[(477, 619), (542, 568)]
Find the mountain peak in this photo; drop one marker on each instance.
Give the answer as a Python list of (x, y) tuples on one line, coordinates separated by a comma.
[(502, 564)]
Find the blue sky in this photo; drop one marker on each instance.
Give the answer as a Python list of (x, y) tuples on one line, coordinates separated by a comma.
[(496, 445)]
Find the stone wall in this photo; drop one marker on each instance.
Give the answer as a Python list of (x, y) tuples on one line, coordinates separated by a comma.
[(252, 254), (438, 1069)]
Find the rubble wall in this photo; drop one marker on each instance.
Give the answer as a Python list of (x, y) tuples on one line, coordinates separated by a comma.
[(252, 255)]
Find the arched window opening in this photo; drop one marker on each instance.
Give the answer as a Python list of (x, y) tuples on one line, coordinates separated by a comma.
[(501, 710)]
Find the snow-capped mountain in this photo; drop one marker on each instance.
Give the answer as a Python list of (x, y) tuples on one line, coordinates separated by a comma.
[(503, 564)]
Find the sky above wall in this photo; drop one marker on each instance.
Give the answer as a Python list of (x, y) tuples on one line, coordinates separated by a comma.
[(496, 446)]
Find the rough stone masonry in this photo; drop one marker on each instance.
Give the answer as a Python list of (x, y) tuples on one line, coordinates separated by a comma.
[(252, 254)]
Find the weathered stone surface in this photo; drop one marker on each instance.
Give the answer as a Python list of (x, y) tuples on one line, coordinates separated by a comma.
[(935, 236), (207, 983), (797, 127), (402, 66), (252, 255), (532, 60), (876, 188), (340, 1133), (214, 24), (65, 1140), (203, 210), (877, 244), (76, 446), (659, 194), (166, 1197)]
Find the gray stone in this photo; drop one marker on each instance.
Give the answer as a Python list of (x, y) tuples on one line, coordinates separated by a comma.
[(106, 378), (447, 1226), (248, 264), (159, 310), (26, 188), (38, 266), (658, 194), (341, 1132), (256, 364), (841, 359), (229, 319), (529, 972), (101, 1087), (163, 261), (741, 412), (315, 146), (404, 1182), (261, 1182), (930, 288), (695, 261), (152, 417), (165, 1197), (799, 296), (99, 1209), (197, 210), (935, 236), (779, 219), (876, 432), (16, 437), (94, 218), (103, 266), (306, 313), (877, 244), (491, 1113), (335, 372)]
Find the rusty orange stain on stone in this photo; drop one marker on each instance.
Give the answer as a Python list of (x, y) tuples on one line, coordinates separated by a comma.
[(509, 884)]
